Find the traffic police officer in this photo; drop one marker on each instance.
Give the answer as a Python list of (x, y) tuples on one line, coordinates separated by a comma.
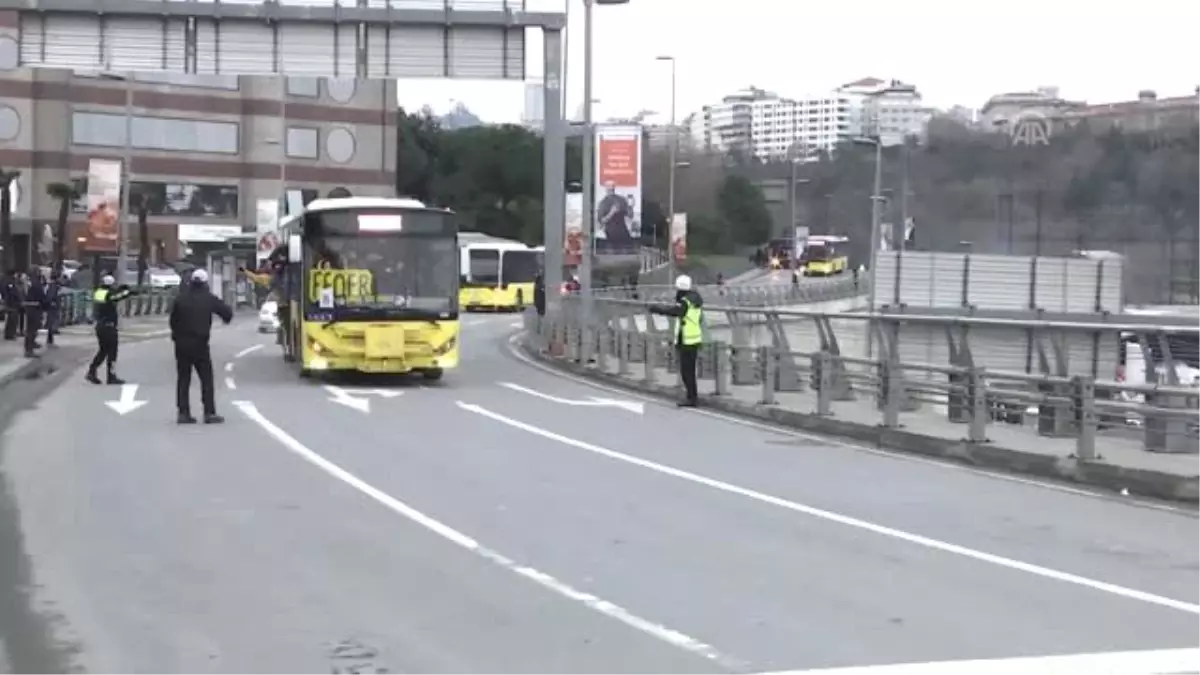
[(689, 335), (191, 326), (104, 306)]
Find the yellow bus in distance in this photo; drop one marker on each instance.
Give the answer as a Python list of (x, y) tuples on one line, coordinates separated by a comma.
[(498, 275)]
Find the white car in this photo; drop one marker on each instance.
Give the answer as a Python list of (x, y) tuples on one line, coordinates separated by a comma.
[(268, 317), (163, 277)]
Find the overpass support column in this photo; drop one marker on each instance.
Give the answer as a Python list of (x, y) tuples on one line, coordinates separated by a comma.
[(554, 157)]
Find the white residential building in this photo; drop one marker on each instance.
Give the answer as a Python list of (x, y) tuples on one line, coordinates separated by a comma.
[(770, 126)]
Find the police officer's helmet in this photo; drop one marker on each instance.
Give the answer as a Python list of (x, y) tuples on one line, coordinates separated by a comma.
[(107, 280), (683, 283)]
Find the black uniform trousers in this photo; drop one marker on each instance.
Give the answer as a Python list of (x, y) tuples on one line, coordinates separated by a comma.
[(33, 323), (107, 341), (10, 323), (687, 370), (194, 354)]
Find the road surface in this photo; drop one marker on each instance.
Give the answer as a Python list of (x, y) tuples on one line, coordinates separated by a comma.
[(509, 519)]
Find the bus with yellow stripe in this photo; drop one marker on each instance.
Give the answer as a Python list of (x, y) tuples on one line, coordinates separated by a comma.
[(370, 285), (497, 275)]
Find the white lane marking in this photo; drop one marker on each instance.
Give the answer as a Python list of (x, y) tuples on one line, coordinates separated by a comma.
[(632, 406), (849, 521), (830, 440), (658, 631), (517, 324), (230, 384), (229, 367), (1143, 662), (248, 350)]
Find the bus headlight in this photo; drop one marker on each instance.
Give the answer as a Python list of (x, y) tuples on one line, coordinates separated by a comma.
[(445, 347)]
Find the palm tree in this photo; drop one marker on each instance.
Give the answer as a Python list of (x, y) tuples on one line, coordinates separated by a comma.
[(66, 194)]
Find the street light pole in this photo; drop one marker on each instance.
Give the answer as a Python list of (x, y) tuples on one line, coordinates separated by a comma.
[(674, 154), (587, 174), (876, 215), (126, 185)]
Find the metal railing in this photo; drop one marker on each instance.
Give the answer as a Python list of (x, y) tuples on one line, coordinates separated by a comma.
[(75, 306), (1056, 377), (766, 295)]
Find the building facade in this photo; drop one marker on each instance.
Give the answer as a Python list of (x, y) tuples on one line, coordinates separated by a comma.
[(1148, 113), (204, 149), (772, 127)]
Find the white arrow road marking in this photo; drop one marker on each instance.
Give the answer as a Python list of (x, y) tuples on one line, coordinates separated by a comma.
[(635, 407), (357, 398), (128, 401)]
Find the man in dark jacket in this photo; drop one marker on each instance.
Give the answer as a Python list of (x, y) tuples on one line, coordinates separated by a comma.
[(689, 335), (191, 327), (10, 304), (37, 303)]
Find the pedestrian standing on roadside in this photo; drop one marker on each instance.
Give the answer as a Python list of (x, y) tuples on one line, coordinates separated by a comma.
[(54, 307), (10, 304), (191, 327), (35, 305), (104, 305)]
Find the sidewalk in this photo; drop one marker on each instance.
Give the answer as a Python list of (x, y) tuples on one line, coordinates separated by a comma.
[(1122, 464), (14, 364)]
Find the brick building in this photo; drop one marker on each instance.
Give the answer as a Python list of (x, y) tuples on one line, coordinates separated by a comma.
[(204, 149)]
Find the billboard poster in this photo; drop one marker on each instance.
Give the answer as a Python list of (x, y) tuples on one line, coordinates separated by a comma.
[(266, 222), (573, 229), (103, 204), (618, 185), (679, 236)]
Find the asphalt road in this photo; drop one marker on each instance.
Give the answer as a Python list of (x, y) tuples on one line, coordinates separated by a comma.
[(478, 526)]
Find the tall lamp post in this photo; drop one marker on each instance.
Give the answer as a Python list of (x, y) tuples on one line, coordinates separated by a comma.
[(589, 165), (876, 216), (674, 154), (127, 178)]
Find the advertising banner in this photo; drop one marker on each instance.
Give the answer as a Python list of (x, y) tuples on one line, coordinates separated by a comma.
[(266, 222), (103, 205), (573, 229), (679, 236), (618, 185)]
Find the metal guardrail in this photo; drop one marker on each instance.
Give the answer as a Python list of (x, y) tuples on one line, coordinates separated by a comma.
[(75, 306), (965, 369), (767, 295)]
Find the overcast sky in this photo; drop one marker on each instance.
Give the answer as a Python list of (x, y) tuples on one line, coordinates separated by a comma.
[(956, 53)]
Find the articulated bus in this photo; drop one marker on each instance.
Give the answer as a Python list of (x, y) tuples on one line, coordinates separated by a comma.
[(498, 275), (370, 285)]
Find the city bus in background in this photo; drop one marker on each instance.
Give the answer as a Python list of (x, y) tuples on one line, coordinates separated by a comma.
[(497, 274), (824, 255), (370, 285)]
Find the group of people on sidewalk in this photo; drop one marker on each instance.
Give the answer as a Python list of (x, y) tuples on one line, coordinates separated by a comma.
[(30, 302)]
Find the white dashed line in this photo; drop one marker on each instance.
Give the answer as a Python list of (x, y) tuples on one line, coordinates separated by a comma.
[(230, 384), (655, 630), (229, 367), (248, 350)]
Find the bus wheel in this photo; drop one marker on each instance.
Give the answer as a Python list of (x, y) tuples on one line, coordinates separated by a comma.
[(432, 374)]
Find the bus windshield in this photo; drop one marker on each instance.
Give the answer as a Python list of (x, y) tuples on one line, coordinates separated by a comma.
[(483, 266), (520, 267), (371, 265), (817, 253)]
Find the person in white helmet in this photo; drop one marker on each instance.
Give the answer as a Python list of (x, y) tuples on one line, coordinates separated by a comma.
[(191, 326), (688, 312), (104, 307)]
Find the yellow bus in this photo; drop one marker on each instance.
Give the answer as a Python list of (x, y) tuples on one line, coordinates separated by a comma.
[(824, 255), (498, 275), (370, 285)]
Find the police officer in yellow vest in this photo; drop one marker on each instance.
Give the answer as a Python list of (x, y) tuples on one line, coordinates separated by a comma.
[(104, 306), (689, 314)]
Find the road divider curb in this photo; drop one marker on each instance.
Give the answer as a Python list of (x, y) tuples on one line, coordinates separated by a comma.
[(1125, 480)]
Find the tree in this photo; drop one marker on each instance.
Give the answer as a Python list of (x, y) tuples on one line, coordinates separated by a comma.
[(65, 194), (417, 138), (741, 205), (8, 253)]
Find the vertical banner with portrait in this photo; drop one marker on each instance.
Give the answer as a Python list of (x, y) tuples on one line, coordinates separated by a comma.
[(679, 237), (618, 190), (266, 224), (103, 205), (573, 229)]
